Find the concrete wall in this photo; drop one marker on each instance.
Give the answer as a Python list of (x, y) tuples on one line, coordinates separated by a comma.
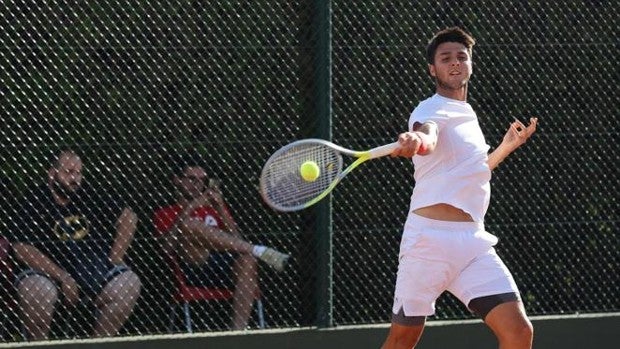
[(574, 332)]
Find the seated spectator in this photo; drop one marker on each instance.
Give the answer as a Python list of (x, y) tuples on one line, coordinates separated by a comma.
[(71, 242), (201, 232)]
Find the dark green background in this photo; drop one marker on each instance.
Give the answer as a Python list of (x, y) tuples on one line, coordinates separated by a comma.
[(128, 86)]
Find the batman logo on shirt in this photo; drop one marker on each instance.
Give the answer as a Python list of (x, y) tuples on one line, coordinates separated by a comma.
[(72, 228)]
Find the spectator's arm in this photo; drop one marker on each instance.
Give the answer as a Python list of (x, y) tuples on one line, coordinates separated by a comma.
[(230, 225), (35, 259), (215, 193), (125, 228)]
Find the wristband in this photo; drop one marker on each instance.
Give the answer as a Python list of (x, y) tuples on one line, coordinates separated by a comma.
[(425, 141)]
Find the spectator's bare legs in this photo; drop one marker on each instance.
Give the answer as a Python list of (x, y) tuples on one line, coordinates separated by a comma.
[(116, 303), (214, 238), (197, 234), (246, 280), (511, 326), (37, 300)]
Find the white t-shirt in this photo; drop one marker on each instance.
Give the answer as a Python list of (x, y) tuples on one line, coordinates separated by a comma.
[(456, 172)]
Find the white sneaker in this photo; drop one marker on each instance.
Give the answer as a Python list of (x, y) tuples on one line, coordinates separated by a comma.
[(275, 259)]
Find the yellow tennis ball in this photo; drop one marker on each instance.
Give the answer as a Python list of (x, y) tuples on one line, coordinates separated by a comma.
[(309, 171)]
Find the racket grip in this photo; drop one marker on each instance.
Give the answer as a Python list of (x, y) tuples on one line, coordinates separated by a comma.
[(424, 142), (383, 150)]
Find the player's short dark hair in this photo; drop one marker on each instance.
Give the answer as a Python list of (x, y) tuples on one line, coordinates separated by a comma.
[(453, 34)]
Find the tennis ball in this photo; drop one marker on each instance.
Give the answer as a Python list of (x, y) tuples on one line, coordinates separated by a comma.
[(309, 171)]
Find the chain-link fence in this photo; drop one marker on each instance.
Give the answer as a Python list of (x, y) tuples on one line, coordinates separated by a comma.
[(130, 86)]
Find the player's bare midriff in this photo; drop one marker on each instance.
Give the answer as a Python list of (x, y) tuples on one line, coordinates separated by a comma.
[(444, 212)]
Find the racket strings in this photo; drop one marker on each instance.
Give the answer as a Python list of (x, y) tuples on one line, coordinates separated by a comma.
[(281, 182)]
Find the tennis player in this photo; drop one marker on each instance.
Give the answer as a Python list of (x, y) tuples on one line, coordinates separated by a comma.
[(444, 246)]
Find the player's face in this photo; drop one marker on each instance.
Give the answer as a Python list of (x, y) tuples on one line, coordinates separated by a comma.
[(192, 183), (452, 66), (68, 173)]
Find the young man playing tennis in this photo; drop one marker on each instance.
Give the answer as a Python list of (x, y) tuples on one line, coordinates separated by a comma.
[(444, 245)]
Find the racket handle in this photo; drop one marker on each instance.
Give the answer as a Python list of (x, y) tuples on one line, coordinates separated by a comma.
[(383, 150)]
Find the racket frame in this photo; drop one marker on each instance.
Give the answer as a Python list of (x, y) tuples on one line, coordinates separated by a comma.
[(361, 156)]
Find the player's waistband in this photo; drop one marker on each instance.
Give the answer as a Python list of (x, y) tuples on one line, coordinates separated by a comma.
[(417, 221)]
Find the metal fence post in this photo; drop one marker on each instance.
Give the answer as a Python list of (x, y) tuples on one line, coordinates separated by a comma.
[(323, 102)]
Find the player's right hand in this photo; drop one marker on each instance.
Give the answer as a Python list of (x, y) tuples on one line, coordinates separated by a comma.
[(409, 145)]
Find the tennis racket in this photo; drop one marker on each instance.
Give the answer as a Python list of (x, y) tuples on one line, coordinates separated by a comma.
[(282, 186)]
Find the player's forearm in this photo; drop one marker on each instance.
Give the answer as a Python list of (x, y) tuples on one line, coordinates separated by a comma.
[(35, 259), (498, 155), (125, 229)]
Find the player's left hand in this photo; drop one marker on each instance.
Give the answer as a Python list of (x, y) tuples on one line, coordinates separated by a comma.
[(518, 133)]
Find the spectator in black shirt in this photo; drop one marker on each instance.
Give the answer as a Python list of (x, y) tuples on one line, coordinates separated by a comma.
[(71, 242)]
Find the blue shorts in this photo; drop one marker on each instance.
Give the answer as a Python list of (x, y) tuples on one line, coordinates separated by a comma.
[(215, 273), (90, 277)]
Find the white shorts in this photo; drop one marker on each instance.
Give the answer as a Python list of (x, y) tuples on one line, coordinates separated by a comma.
[(437, 256)]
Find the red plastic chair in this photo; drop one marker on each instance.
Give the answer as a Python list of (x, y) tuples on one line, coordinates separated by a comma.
[(186, 294)]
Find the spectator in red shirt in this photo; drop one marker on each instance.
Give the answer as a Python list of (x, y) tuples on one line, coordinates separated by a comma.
[(200, 230)]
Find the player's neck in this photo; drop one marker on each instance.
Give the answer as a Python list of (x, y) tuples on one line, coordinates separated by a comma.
[(458, 94)]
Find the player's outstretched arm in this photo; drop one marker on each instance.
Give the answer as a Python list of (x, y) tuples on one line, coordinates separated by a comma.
[(516, 136)]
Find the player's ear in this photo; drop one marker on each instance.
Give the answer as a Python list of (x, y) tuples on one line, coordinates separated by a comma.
[(431, 70)]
